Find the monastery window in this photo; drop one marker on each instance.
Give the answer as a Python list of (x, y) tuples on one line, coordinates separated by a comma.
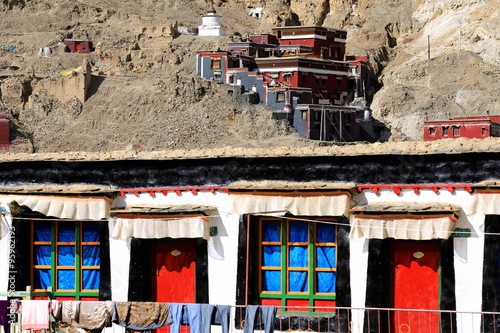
[(297, 261), (456, 131), (66, 257), (315, 80), (445, 130), (484, 131), (215, 63), (280, 97), (303, 115), (287, 77), (432, 131)]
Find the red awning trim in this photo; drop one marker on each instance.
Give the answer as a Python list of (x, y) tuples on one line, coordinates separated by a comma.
[(165, 190), (416, 188)]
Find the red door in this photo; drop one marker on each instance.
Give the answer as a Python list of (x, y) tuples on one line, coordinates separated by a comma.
[(415, 285), (174, 275)]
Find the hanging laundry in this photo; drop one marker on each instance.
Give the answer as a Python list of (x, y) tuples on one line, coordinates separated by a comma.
[(200, 317), (35, 315), (222, 316), (177, 311), (141, 315), (88, 315), (267, 317)]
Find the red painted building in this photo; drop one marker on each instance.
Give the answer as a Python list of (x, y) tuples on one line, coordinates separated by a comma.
[(326, 43), (327, 79), (78, 45), (462, 127), (4, 132)]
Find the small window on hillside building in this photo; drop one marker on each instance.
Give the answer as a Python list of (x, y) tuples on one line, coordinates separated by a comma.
[(432, 131), (445, 130), (215, 63), (456, 131), (280, 97)]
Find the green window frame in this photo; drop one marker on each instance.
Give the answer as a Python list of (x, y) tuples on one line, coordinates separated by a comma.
[(297, 259), (65, 255)]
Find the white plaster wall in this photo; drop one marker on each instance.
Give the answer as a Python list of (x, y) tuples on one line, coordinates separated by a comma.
[(468, 259), (359, 270)]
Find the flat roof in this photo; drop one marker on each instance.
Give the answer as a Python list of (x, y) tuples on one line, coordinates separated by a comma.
[(171, 209), (289, 186), (406, 207), (310, 148)]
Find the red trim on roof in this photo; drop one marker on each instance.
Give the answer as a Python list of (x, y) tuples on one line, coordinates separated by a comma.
[(165, 190), (416, 188)]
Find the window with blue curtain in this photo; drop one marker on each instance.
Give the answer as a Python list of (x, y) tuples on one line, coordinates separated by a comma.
[(66, 256), (297, 258)]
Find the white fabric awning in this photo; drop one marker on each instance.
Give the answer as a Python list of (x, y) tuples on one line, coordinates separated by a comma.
[(411, 229), (175, 227), (64, 207), (299, 199), (486, 198), (422, 222), (337, 205)]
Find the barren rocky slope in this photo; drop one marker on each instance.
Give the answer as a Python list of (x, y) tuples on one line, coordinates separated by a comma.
[(149, 96)]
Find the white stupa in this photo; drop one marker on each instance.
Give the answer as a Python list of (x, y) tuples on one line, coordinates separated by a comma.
[(211, 24)]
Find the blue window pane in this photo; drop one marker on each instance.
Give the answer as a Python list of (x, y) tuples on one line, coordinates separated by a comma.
[(42, 255), (91, 279), (298, 282), (326, 282), (271, 281), (66, 232), (66, 255), (271, 256), (298, 256), (42, 278), (43, 231), (325, 256), (325, 233), (91, 255), (271, 230), (66, 279), (90, 232), (298, 231)]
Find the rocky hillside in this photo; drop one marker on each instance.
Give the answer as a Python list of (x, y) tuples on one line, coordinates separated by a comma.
[(147, 97)]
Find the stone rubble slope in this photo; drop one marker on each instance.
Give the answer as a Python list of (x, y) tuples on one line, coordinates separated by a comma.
[(150, 99)]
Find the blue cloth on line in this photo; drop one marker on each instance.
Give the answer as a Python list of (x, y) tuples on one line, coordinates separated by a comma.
[(176, 310), (268, 316), (222, 313), (250, 313)]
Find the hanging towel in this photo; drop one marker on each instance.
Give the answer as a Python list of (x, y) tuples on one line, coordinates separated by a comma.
[(222, 313), (176, 309), (250, 312), (55, 308), (4, 315), (70, 311), (142, 315), (268, 316), (35, 315), (91, 315)]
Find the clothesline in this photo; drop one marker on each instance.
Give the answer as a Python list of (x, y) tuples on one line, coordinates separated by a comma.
[(96, 315)]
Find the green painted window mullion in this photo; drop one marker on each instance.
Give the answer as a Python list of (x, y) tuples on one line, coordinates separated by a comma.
[(284, 262), (311, 263), (53, 257), (77, 260)]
